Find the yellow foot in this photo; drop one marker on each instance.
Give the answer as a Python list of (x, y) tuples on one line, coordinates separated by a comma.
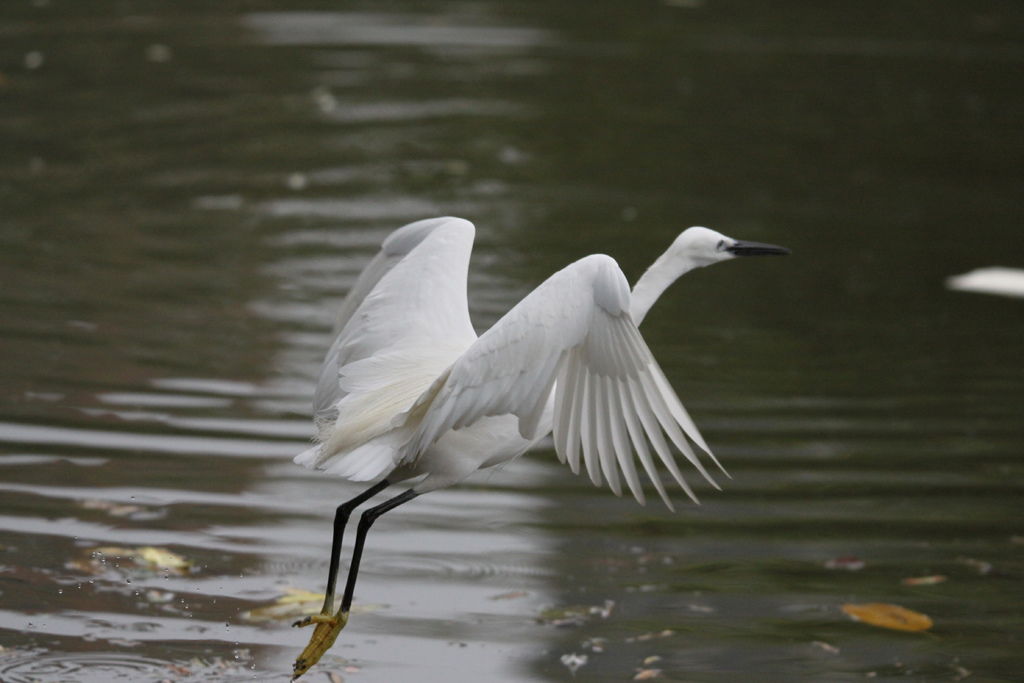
[(315, 619), (324, 635)]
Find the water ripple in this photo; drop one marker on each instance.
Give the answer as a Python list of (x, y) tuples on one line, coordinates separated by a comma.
[(359, 28), (137, 441), (31, 666)]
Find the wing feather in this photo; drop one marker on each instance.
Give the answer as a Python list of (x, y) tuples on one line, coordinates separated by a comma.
[(404, 322), (620, 440), (588, 429), (610, 403), (639, 441), (394, 249), (570, 449), (605, 447), (652, 429)]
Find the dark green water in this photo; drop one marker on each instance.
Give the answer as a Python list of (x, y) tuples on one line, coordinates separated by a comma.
[(187, 189)]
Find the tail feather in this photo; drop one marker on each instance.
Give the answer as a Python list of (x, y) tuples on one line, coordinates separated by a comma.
[(371, 460), (309, 458)]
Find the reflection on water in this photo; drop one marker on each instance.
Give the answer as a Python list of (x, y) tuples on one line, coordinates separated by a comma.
[(186, 193)]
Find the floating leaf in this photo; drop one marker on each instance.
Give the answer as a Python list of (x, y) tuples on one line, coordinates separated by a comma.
[(923, 580), (647, 674), (888, 616)]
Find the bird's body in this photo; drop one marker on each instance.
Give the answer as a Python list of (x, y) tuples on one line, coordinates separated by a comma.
[(408, 390), (405, 326)]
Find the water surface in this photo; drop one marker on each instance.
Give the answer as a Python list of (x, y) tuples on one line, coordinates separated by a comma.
[(187, 192)]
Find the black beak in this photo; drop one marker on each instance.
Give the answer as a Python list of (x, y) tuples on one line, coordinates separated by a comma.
[(742, 248)]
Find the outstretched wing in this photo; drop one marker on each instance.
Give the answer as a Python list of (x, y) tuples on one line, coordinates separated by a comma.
[(394, 314), (404, 324), (611, 399)]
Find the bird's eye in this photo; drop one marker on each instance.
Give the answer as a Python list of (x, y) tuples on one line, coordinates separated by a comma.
[(720, 246)]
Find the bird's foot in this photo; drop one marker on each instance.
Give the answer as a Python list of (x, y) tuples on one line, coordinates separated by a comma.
[(315, 619), (326, 632)]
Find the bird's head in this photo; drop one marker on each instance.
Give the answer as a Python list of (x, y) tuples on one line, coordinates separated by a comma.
[(703, 246)]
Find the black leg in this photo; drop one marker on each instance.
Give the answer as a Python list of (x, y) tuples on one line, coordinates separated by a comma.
[(341, 516), (368, 518)]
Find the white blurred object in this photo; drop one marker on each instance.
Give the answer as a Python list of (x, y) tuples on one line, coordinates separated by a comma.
[(991, 280)]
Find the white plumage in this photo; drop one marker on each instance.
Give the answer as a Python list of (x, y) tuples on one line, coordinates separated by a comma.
[(407, 389)]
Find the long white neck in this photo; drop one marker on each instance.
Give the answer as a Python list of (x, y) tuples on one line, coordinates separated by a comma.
[(662, 273)]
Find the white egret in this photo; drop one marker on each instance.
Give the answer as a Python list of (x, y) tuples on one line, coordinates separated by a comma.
[(408, 390)]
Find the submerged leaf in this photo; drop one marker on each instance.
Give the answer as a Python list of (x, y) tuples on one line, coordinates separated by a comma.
[(299, 595), (145, 557), (295, 603), (888, 616), (161, 558)]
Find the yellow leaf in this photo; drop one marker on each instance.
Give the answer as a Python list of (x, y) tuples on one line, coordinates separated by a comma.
[(888, 616), (162, 559)]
